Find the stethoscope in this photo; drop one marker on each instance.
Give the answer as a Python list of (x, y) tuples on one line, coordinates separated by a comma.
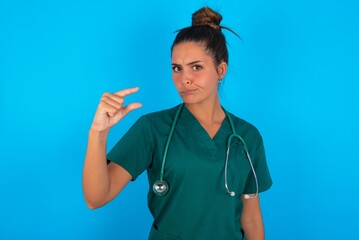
[(161, 187)]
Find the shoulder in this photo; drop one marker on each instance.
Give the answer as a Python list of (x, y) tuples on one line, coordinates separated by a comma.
[(157, 123), (159, 119), (246, 129), (153, 124), (161, 116)]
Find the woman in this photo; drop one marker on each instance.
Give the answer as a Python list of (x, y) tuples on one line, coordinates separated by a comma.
[(198, 190)]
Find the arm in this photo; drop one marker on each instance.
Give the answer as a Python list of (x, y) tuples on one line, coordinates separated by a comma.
[(251, 220), (102, 182)]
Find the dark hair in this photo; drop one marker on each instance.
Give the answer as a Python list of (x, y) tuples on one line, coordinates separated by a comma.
[(206, 30)]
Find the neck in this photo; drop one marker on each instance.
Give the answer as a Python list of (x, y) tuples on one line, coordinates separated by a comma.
[(207, 112)]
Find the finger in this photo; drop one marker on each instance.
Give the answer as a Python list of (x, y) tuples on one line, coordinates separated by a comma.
[(116, 98), (131, 107), (109, 109), (126, 92), (113, 97), (115, 103)]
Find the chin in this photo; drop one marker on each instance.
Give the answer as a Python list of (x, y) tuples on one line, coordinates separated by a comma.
[(188, 100)]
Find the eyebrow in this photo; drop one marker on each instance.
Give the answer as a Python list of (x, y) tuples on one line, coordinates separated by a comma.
[(191, 63)]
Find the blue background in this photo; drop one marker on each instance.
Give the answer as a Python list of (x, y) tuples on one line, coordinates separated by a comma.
[(294, 76)]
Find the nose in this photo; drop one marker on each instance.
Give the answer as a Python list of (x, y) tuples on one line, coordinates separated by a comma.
[(186, 77)]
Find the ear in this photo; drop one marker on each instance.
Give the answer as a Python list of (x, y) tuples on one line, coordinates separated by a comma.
[(222, 69)]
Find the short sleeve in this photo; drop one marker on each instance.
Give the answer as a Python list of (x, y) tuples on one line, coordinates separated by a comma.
[(262, 172), (134, 150)]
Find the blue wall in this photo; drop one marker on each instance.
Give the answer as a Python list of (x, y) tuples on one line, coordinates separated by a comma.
[(295, 76)]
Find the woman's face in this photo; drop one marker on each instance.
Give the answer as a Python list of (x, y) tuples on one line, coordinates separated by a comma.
[(195, 74)]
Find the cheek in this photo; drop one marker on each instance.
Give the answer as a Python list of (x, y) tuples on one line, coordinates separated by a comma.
[(176, 79), (205, 79)]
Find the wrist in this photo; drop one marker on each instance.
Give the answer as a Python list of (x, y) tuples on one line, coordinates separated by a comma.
[(100, 134)]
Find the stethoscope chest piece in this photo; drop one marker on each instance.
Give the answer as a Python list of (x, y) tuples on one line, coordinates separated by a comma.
[(160, 187)]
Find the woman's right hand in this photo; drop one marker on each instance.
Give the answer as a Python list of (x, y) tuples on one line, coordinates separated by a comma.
[(111, 110)]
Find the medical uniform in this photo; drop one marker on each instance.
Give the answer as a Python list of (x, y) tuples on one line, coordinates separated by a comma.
[(197, 205)]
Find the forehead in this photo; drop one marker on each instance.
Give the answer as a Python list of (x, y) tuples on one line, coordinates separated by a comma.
[(190, 51)]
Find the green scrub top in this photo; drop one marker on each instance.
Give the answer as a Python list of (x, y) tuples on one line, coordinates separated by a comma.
[(197, 205)]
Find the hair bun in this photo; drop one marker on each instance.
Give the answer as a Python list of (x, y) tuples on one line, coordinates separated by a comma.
[(206, 16)]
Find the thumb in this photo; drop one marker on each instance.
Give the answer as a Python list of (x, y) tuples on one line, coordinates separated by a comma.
[(131, 107), (123, 112)]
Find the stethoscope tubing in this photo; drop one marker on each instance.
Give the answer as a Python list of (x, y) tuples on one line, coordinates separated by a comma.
[(159, 184), (245, 148), (169, 140)]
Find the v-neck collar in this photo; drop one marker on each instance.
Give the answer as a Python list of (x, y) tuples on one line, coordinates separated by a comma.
[(200, 132)]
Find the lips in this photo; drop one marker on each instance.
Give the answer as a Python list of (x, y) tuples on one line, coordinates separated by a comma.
[(188, 92)]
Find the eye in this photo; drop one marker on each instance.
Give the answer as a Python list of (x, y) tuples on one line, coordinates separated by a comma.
[(176, 68), (197, 67)]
